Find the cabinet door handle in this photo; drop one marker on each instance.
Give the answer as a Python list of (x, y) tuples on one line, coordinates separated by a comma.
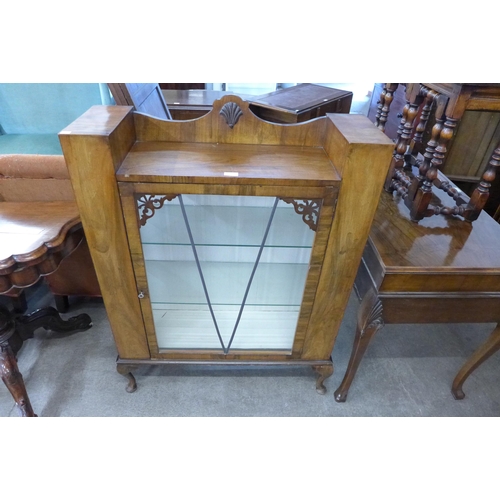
[(141, 295)]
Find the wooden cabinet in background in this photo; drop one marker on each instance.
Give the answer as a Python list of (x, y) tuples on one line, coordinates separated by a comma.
[(227, 239), (290, 105), (301, 103)]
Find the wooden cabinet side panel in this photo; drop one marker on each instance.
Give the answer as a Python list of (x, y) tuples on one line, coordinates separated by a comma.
[(91, 161), (362, 153)]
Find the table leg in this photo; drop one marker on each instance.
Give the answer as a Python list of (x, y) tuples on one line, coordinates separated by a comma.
[(485, 350), (13, 380), (14, 330), (369, 322), (9, 372)]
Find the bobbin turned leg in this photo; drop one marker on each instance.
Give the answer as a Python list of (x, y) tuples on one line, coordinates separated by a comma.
[(369, 322), (482, 192), (405, 131), (487, 349), (384, 105)]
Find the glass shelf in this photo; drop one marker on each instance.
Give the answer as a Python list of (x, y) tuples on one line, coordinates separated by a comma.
[(175, 282), (240, 224)]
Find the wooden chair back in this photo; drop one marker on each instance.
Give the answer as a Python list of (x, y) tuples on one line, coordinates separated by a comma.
[(415, 169)]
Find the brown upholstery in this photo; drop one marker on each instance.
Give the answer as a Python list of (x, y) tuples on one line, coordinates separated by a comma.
[(32, 178)]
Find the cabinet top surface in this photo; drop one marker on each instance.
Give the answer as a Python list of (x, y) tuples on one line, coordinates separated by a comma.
[(436, 244), (227, 164)]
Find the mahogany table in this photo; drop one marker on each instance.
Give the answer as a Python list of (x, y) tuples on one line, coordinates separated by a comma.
[(34, 238), (441, 270)]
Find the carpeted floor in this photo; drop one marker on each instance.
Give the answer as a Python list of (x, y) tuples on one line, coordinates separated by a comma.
[(407, 371)]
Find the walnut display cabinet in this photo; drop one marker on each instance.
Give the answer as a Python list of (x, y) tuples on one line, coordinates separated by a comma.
[(225, 239)]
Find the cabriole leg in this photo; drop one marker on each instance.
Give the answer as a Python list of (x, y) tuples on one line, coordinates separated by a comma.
[(126, 371), (369, 322), (487, 349), (323, 371)]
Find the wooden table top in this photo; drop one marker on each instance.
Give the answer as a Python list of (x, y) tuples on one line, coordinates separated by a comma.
[(436, 242), (196, 98), (300, 97), (32, 232), (439, 253)]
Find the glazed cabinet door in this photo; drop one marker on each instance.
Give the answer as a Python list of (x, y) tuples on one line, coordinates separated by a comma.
[(224, 274)]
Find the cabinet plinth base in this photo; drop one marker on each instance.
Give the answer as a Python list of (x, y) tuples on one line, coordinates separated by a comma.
[(323, 368)]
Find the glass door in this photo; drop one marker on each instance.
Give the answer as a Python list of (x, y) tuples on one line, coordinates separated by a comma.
[(226, 272)]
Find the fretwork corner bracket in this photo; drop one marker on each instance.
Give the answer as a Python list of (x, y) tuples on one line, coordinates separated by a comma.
[(308, 209), (148, 204)]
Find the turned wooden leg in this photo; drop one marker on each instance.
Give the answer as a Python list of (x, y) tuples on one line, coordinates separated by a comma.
[(386, 100), (323, 371), (369, 322), (126, 371), (407, 126), (487, 349), (482, 192)]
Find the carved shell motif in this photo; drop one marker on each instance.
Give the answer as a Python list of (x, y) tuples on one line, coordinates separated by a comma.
[(231, 112)]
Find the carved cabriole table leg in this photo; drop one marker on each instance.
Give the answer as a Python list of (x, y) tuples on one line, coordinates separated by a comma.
[(13, 380), (369, 322), (9, 372), (487, 349)]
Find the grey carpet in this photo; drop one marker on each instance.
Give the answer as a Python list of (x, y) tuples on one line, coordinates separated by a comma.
[(407, 371)]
